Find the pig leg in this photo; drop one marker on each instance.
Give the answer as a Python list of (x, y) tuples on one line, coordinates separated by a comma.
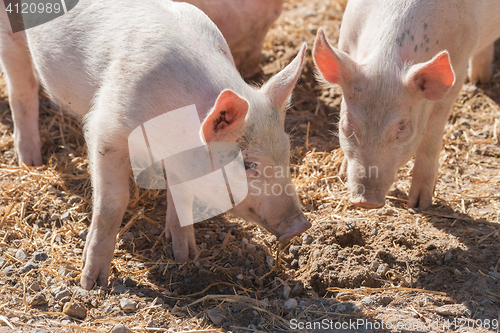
[(183, 241), (110, 167), (22, 87), (426, 167), (480, 65)]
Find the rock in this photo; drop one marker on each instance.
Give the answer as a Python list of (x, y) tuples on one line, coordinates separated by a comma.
[(448, 256), (494, 274), (37, 300), (9, 270), (291, 304), (381, 212), (30, 265), (341, 307), (119, 289), (374, 232), (54, 217), (250, 246), (40, 256), (451, 310), (21, 254), (9, 154), (2, 261), (40, 330), (307, 239), (62, 294), (52, 189), (216, 316), (221, 236), (120, 328), (128, 305), (75, 310), (294, 249), (457, 272), (270, 261), (128, 282), (56, 290), (367, 300), (386, 300), (382, 269), (302, 304), (240, 277), (66, 216), (34, 287), (244, 241)]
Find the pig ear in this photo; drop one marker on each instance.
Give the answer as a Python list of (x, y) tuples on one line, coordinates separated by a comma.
[(227, 116), (279, 87), (434, 78), (335, 65)]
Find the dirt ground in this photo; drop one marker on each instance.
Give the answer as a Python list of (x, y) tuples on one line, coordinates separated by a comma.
[(355, 270)]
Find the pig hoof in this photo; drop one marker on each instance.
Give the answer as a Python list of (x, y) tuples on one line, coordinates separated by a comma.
[(296, 226)]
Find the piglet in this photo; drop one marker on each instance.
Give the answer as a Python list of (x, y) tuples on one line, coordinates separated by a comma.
[(244, 25), (117, 64), (401, 65)]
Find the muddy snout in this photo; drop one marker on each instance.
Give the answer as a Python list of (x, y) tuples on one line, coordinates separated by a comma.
[(290, 227)]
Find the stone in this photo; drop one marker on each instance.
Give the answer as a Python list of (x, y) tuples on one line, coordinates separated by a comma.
[(374, 265), (9, 270), (294, 249), (62, 294), (291, 304), (386, 300), (382, 269), (55, 217), (30, 265), (21, 254), (270, 261), (38, 300), (367, 300), (128, 282), (40, 330), (75, 310), (128, 305), (307, 239), (216, 316), (66, 216), (119, 289), (83, 234), (120, 328), (341, 307), (40, 256)]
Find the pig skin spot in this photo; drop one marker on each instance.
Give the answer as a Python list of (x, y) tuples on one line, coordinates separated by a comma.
[(437, 42), (425, 26), (426, 49), (416, 48)]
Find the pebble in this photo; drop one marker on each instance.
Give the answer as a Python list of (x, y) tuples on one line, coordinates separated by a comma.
[(270, 261), (382, 269), (2, 261), (374, 232), (294, 249), (119, 289), (28, 267), (307, 239), (221, 236), (21, 254), (38, 299), (40, 256), (216, 316), (291, 304), (341, 307), (494, 274), (75, 310), (457, 272), (302, 304), (367, 300), (317, 254), (386, 300), (240, 277), (54, 217), (448, 256), (128, 282), (244, 241), (56, 290), (389, 226), (374, 265), (9, 154), (35, 287), (128, 305), (62, 294), (250, 246), (51, 189), (66, 216), (120, 328), (40, 330)]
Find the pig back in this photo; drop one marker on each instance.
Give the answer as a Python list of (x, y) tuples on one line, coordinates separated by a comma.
[(153, 56)]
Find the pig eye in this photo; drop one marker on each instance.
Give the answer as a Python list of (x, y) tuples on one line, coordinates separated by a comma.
[(250, 165), (401, 127)]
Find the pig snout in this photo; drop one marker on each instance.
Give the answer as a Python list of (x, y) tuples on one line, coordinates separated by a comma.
[(288, 228)]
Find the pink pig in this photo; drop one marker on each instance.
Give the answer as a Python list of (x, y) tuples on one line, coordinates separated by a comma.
[(244, 25), (401, 65)]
